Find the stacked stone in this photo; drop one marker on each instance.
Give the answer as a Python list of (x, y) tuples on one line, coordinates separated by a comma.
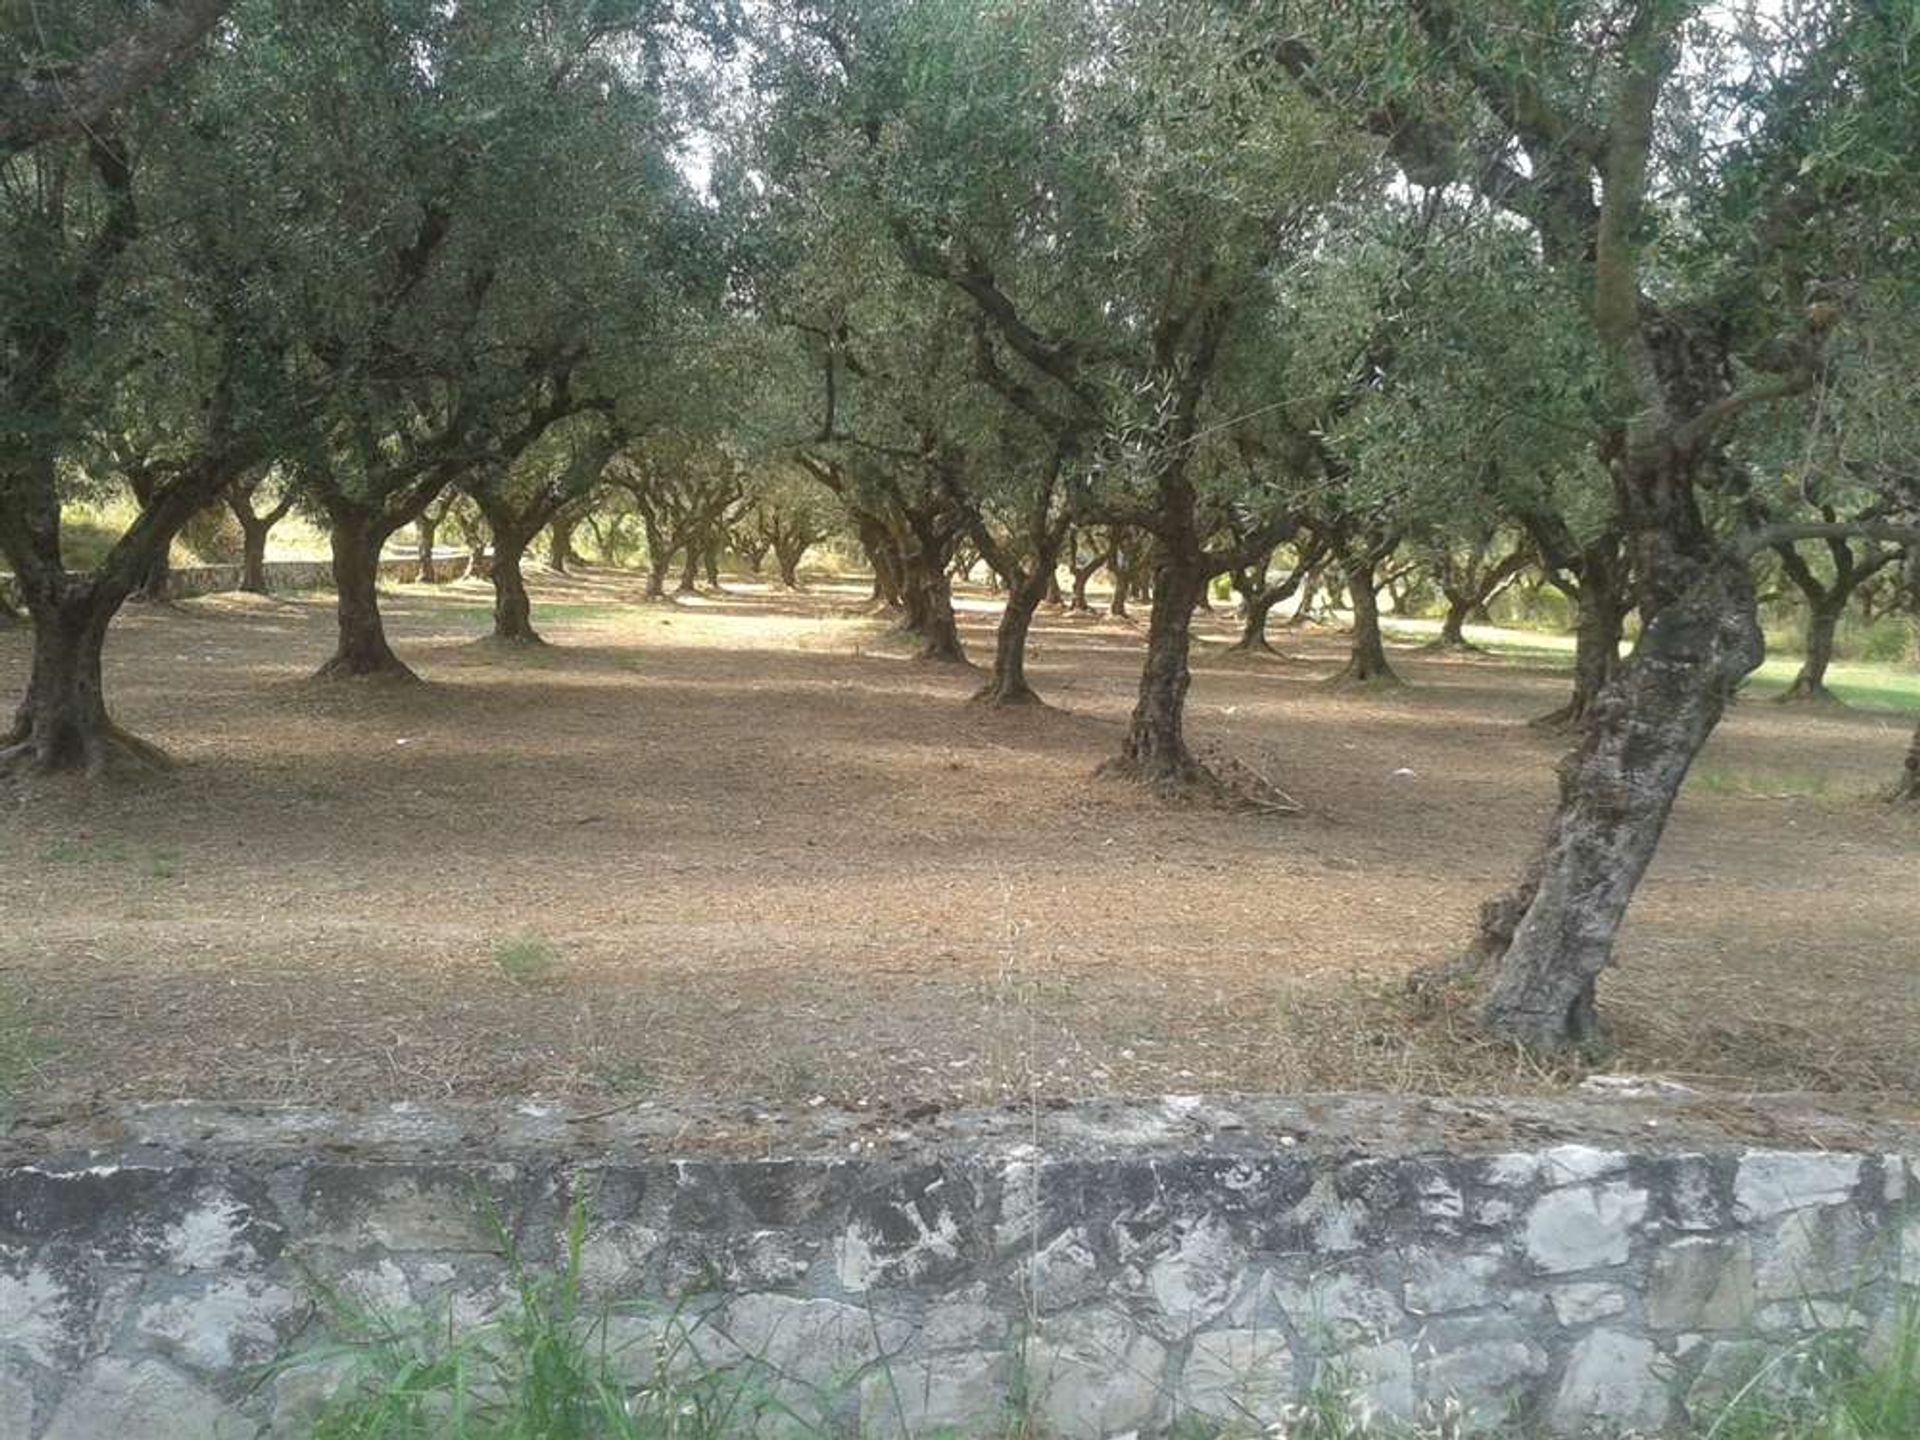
[(1104, 1288)]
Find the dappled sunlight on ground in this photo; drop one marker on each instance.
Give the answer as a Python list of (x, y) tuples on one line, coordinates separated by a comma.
[(769, 857)]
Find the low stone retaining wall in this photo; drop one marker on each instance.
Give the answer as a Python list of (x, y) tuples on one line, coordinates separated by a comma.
[(1110, 1267), (186, 581)]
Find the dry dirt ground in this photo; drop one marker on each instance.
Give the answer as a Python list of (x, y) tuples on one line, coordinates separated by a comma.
[(742, 847)]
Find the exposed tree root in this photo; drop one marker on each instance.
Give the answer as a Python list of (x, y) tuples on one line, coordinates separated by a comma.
[(1461, 985), (936, 653), (1259, 651), (1353, 677), (1907, 791), (993, 696), (1800, 693), (1234, 786), (111, 753), (1257, 645), (390, 671), (527, 641), (1188, 783)]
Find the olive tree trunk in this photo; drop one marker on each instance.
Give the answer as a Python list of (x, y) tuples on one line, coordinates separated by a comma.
[(62, 723), (512, 607), (1810, 683), (1008, 683), (253, 554), (788, 558), (1453, 629), (1555, 934), (1156, 751), (1598, 627), (560, 551), (429, 532), (1908, 789), (929, 592), (1367, 652), (362, 651)]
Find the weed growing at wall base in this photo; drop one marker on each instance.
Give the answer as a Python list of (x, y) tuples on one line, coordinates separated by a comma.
[(548, 1366), (545, 1367)]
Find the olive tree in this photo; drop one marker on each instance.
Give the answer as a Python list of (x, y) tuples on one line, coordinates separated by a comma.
[(1615, 134), (129, 271)]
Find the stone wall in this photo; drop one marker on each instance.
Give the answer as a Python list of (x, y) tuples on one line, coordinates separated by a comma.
[(1585, 1265), (185, 581)]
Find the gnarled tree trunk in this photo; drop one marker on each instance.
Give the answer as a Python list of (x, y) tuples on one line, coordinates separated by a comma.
[(930, 611), (889, 589), (788, 558), (62, 724), (1008, 683), (1826, 602), (1309, 590), (158, 575), (1253, 626), (253, 555), (1810, 683), (1601, 602), (1082, 573), (1908, 790), (560, 551), (1554, 936), (1156, 751), (362, 651), (512, 607), (428, 572), (1367, 652)]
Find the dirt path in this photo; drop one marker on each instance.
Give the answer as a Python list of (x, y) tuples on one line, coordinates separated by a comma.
[(742, 848)]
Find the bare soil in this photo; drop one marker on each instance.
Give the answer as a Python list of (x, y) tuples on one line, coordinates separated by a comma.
[(742, 848)]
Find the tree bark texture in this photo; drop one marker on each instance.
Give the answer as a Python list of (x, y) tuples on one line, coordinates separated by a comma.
[(1367, 652), (1555, 935), (62, 724), (362, 651), (512, 607), (1156, 751)]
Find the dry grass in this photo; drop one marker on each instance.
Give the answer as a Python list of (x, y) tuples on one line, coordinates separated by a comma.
[(767, 857)]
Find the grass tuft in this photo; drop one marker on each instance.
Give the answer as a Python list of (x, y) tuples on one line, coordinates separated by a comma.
[(525, 959), (543, 1367)]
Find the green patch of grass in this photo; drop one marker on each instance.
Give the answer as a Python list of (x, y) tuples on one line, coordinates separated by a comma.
[(1867, 684), (1894, 688), (583, 610), (626, 1075), (1828, 1390), (158, 862), (525, 959), (21, 1049), (85, 850), (545, 1367)]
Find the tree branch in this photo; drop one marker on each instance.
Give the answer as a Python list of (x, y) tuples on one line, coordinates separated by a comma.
[(75, 98)]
